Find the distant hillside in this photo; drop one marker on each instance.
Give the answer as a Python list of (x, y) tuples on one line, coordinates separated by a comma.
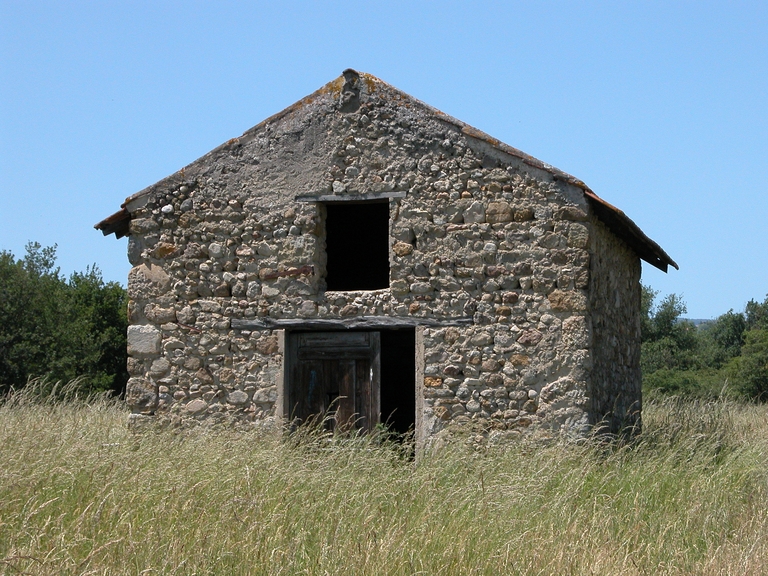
[(697, 321)]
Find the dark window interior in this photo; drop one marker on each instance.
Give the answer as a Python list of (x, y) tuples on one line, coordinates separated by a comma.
[(398, 377), (357, 246)]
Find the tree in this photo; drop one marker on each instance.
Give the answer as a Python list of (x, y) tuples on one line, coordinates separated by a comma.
[(667, 341), (647, 297), (31, 303), (722, 339), (757, 315), (678, 358), (752, 366), (674, 351), (59, 328), (97, 315)]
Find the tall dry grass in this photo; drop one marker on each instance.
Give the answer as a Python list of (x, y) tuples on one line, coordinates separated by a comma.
[(79, 494)]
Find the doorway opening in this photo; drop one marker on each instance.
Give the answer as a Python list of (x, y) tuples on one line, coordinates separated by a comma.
[(398, 376), (352, 380)]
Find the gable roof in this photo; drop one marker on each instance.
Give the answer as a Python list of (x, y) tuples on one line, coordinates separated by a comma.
[(616, 220)]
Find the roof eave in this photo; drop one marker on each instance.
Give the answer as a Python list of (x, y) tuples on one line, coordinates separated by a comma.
[(623, 227), (117, 224)]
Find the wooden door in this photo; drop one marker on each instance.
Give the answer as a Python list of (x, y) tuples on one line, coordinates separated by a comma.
[(336, 376)]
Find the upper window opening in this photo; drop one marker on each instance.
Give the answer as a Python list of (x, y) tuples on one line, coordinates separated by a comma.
[(357, 245)]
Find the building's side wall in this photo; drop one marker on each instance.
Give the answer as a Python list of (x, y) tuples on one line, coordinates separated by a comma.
[(479, 235), (615, 388)]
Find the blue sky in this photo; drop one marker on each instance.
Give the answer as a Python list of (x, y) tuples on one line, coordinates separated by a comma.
[(660, 107)]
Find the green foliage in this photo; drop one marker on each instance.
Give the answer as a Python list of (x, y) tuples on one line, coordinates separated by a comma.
[(668, 342), (723, 338), (728, 355), (751, 368), (672, 382), (756, 314), (647, 297), (60, 328), (702, 383)]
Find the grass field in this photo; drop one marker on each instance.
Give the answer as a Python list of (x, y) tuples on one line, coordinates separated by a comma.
[(79, 494)]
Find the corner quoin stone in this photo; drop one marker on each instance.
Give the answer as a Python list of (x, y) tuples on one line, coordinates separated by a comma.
[(141, 395), (143, 341)]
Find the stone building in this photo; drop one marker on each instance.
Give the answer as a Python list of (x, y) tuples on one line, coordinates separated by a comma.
[(365, 256)]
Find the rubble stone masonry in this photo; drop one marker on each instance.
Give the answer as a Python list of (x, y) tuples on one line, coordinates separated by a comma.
[(475, 232)]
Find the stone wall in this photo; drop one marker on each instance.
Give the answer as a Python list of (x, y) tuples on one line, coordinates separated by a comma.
[(615, 386), (480, 233)]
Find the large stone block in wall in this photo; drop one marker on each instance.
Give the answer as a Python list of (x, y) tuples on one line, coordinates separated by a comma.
[(568, 300), (475, 213), (143, 341), (575, 332), (578, 236), (141, 395), (146, 281), (499, 212)]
